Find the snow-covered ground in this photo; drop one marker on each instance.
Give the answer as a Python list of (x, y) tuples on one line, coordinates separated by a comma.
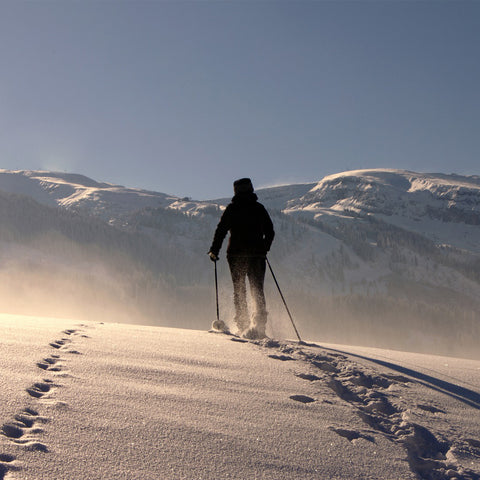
[(110, 401)]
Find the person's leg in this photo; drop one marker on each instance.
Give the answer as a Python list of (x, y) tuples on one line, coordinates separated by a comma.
[(256, 278), (238, 269)]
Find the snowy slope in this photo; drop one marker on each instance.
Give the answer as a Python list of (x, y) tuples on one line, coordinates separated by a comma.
[(444, 208), (389, 192), (108, 401)]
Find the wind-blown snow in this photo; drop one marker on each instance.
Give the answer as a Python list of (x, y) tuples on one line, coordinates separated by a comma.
[(109, 401), (388, 257)]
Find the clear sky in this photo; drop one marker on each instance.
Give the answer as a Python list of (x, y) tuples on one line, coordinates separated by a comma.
[(183, 97)]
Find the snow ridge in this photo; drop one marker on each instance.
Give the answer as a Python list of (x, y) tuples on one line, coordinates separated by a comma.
[(80, 193), (395, 192)]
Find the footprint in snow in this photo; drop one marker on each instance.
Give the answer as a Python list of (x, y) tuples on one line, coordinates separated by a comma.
[(308, 376), (24, 423), (69, 332), (283, 358), (341, 390), (82, 325), (351, 435), (49, 364), (316, 357), (21, 430), (269, 343), (12, 431), (39, 389), (326, 366), (5, 457), (240, 340), (59, 343), (338, 355), (473, 442), (302, 398), (430, 408), (73, 352), (6, 464), (474, 446)]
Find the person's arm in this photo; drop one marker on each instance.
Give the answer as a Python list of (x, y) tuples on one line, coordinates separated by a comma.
[(269, 233), (222, 229)]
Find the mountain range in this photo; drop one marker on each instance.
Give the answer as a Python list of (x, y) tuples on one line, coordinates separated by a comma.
[(378, 257)]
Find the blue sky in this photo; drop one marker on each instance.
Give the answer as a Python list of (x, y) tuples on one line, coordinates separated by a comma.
[(184, 97)]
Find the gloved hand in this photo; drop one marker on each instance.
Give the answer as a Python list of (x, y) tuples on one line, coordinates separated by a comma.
[(212, 256)]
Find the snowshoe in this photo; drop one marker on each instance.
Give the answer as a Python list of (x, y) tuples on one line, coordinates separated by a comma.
[(254, 333), (220, 326)]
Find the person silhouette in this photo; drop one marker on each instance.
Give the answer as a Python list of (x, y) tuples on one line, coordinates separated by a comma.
[(251, 236)]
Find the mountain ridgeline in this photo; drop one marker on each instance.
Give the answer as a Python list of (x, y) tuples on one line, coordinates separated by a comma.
[(385, 258)]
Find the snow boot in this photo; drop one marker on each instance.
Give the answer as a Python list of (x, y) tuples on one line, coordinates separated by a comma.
[(242, 325), (255, 332)]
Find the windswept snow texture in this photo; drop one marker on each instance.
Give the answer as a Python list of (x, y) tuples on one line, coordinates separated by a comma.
[(110, 401)]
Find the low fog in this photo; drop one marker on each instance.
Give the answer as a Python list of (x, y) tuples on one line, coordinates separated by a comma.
[(87, 289)]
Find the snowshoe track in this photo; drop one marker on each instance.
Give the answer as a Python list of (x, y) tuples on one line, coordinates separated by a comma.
[(429, 454), (25, 429)]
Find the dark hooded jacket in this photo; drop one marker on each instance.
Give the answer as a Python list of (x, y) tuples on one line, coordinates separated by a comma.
[(250, 226)]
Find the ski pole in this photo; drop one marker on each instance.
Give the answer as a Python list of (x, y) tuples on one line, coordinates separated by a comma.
[(284, 302), (216, 290)]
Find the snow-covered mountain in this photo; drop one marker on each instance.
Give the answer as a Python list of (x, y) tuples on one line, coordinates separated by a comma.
[(357, 254), (77, 192), (441, 207)]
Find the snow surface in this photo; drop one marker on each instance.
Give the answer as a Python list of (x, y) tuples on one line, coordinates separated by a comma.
[(109, 401)]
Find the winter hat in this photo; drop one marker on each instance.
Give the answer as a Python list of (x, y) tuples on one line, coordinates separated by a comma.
[(243, 185)]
